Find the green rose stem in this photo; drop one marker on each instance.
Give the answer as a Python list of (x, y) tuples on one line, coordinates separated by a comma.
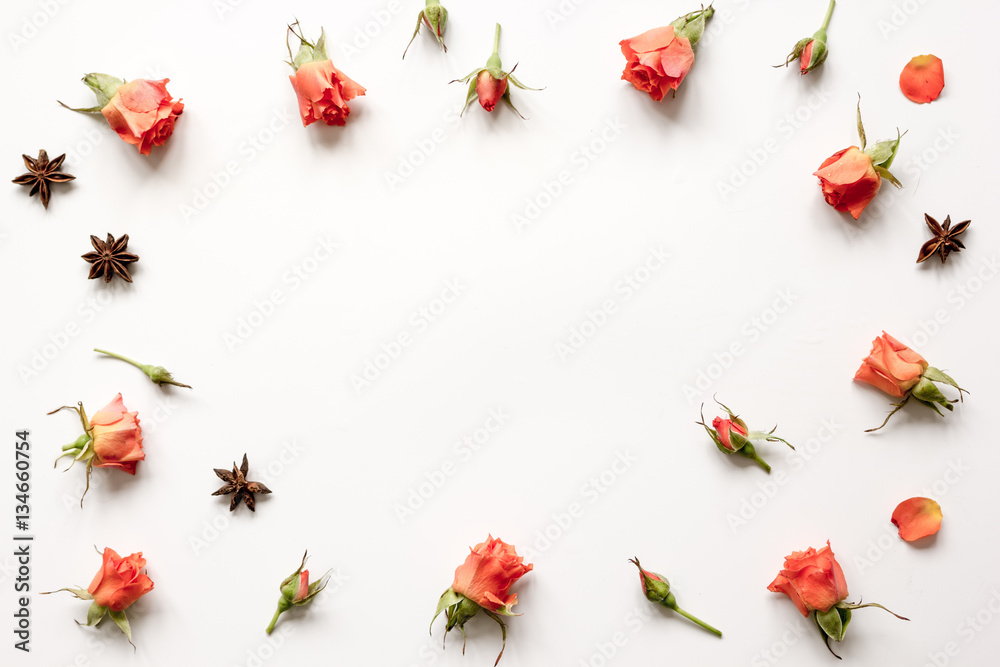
[(157, 374), (700, 622), (494, 62), (657, 589), (821, 33), (283, 606), (750, 452)]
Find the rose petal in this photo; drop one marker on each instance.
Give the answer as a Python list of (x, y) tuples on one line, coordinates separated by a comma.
[(917, 517), (922, 79)]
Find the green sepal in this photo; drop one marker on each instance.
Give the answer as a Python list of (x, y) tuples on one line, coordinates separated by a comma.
[(819, 52), (309, 52), (104, 86), (692, 25), (314, 589), (938, 375), (927, 392), (96, 614), (122, 622), (797, 50), (506, 98), (513, 80), (882, 151), (448, 599), (737, 441), (887, 175), (78, 593), (832, 622), (861, 127)]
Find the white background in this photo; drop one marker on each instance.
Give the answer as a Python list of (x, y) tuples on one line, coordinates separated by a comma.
[(342, 461)]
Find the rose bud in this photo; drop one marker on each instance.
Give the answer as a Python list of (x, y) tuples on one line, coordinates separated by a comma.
[(658, 60), (483, 583), (815, 582), (157, 374), (731, 436), (900, 372), (656, 588), (489, 83), (323, 91), (115, 587), (922, 80), (141, 111), (811, 52), (112, 439), (296, 591), (917, 518), (851, 178), (435, 17)]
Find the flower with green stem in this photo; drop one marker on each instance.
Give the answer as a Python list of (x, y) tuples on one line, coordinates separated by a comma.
[(435, 17), (732, 436), (811, 52), (489, 83), (656, 588), (157, 374), (296, 591)]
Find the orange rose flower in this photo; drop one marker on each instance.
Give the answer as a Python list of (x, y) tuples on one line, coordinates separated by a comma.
[(723, 427), (487, 574), (849, 180), (323, 92), (917, 518), (891, 366), (922, 80), (120, 581), (117, 437), (812, 579), (657, 61), (143, 113)]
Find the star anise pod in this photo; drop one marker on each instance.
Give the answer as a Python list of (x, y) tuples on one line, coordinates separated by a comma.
[(110, 258), (945, 238), (237, 484), (40, 173)]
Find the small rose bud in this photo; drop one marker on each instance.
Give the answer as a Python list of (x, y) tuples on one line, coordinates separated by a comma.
[(297, 591), (732, 436), (435, 17), (489, 83), (656, 588), (157, 374), (811, 52)]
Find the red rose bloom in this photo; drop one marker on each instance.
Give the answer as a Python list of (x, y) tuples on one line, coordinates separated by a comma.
[(812, 579), (849, 180), (120, 581), (487, 574), (323, 92), (658, 61), (143, 113)]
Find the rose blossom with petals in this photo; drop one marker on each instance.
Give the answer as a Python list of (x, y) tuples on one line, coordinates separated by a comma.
[(487, 574), (323, 92), (117, 437), (812, 579), (120, 581), (658, 61), (891, 366), (849, 180), (143, 113), (723, 427)]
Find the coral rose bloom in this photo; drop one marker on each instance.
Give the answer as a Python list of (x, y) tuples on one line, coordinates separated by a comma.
[(658, 61), (143, 113), (119, 582), (117, 437), (488, 573), (812, 579), (323, 92), (891, 366), (849, 180)]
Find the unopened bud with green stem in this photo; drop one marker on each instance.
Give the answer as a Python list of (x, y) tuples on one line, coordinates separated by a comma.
[(157, 374), (657, 589)]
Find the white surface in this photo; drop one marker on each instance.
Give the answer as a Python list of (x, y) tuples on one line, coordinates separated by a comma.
[(350, 458)]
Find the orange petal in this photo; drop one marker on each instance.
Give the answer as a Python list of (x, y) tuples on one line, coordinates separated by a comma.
[(922, 79), (916, 518)]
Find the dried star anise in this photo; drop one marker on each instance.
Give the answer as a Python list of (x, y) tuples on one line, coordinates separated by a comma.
[(110, 258), (945, 238), (237, 484), (40, 173)]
